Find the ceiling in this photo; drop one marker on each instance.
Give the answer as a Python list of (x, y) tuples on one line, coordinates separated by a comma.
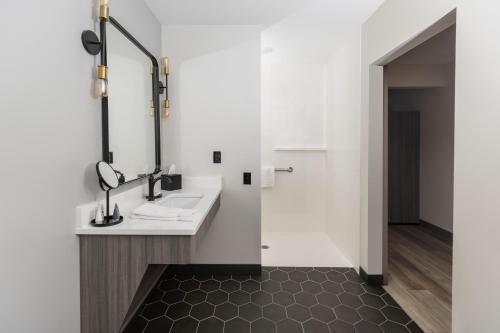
[(439, 50), (223, 12)]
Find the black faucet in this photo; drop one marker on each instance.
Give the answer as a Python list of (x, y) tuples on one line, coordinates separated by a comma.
[(151, 193)]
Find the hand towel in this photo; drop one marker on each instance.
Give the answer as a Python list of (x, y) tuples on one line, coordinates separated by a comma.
[(267, 177)]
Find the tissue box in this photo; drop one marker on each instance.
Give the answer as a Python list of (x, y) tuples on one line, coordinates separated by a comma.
[(171, 182)]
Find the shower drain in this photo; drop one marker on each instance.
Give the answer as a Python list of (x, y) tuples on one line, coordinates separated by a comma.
[(265, 247)]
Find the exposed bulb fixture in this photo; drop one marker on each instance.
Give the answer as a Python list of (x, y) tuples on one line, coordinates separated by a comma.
[(104, 9), (165, 66), (101, 88)]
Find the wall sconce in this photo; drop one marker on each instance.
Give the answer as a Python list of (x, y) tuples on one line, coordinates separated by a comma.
[(165, 64)]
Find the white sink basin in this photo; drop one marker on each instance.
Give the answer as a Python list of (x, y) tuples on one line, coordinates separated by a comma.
[(184, 201)]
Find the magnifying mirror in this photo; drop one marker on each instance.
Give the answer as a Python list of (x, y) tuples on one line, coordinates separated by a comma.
[(108, 178)]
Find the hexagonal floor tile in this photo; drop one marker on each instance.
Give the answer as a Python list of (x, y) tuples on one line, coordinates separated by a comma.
[(263, 326), (237, 325), (305, 299), (322, 313), (250, 312), (210, 285), (217, 297), (340, 326), (202, 311), (173, 296), (274, 312), (353, 288), (298, 276), (169, 285), (226, 311), (349, 299), (367, 327), (178, 310), (261, 298), (391, 327), (161, 324), (185, 325), (289, 326), (189, 285), (371, 314), (270, 286), (195, 297), (279, 276), (154, 310), (230, 286), (327, 299), (291, 287), (210, 325), (298, 312), (283, 298), (250, 286), (336, 276), (239, 297), (332, 287), (372, 300), (317, 276), (396, 315), (315, 326), (347, 314), (311, 287)]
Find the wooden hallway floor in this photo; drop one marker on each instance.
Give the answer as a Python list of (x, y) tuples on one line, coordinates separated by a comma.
[(420, 276)]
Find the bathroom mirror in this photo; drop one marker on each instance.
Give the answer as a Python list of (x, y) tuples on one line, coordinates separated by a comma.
[(108, 178), (131, 122)]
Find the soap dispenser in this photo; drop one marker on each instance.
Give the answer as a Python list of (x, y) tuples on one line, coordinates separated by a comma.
[(99, 215)]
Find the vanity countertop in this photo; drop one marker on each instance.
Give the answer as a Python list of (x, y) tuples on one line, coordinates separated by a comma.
[(209, 188)]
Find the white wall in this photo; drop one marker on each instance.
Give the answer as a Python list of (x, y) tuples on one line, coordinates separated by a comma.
[(437, 124), (215, 94), (476, 191), (50, 140), (343, 117), (293, 113)]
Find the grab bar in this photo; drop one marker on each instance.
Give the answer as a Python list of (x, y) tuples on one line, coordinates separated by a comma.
[(289, 169)]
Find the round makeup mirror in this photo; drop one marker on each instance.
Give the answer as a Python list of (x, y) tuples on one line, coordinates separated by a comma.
[(107, 176)]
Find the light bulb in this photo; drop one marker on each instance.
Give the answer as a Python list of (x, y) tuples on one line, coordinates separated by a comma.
[(104, 2), (101, 88), (165, 65)]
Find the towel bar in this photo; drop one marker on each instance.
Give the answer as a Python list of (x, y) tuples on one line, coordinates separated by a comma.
[(289, 169)]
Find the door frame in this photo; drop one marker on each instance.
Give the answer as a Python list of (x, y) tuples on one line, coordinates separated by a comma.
[(381, 81)]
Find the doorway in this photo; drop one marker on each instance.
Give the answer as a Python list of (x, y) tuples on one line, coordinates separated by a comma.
[(420, 94)]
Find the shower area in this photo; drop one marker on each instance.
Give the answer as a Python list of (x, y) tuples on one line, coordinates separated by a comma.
[(310, 145)]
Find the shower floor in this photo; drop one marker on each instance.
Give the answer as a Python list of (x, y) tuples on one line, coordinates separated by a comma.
[(301, 249)]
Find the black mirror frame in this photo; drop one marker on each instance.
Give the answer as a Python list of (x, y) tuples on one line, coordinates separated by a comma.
[(157, 88)]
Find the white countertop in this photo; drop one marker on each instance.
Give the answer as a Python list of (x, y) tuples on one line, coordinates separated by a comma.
[(209, 187)]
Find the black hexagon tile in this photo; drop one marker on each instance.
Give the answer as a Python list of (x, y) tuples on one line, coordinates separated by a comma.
[(280, 300)]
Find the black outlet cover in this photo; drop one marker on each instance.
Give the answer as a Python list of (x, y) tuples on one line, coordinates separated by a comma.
[(217, 157), (247, 178)]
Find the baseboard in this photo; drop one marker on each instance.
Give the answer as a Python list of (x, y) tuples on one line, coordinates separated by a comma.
[(372, 280), (216, 269), (438, 232)]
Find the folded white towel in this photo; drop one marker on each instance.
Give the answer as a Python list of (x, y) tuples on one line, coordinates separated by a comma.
[(172, 219), (149, 210), (267, 177)]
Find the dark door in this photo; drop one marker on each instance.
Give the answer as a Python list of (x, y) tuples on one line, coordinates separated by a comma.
[(404, 167)]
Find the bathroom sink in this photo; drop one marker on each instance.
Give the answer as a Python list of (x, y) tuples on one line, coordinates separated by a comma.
[(184, 201)]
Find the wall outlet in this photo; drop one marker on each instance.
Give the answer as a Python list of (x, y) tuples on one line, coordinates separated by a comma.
[(247, 178), (217, 157)]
